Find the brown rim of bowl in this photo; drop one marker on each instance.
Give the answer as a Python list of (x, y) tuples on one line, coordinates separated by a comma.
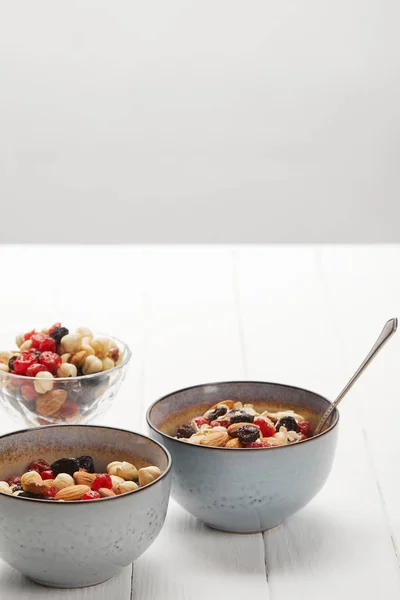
[(127, 357), (80, 502), (201, 385)]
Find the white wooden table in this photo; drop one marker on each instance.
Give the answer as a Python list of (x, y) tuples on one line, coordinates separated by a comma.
[(304, 315)]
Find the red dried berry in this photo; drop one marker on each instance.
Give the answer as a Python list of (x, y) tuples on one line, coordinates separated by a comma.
[(16, 480), (267, 429), (302, 437), (35, 368), (50, 360), (201, 421), (28, 392), (53, 327), (257, 444), (223, 423), (50, 492), (92, 495), (69, 409), (304, 428), (43, 342), (102, 481), (39, 465), (24, 361), (47, 474), (27, 336)]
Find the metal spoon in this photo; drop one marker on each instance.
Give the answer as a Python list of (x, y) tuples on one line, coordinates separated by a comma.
[(386, 333)]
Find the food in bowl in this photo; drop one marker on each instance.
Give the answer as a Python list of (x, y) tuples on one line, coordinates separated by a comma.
[(80, 543), (60, 376), (75, 479), (231, 424)]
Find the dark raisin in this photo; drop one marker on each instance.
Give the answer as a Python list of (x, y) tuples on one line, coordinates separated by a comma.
[(17, 488), (11, 362), (289, 422), (185, 431), (248, 433), (86, 462), (65, 465), (29, 495), (240, 416), (217, 412), (59, 333)]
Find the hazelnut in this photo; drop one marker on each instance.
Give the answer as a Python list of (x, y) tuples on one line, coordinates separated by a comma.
[(91, 365), (123, 469), (27, 345), (63, 480), (43, 382), (148, 474), (5, 488), (66, 357), (29, 478), (19, 340), (4, 367), (71, 342), (85, 345), (84, 332), (116, 481), (101, 346), (107, 363), (127, 486), (67, 370)]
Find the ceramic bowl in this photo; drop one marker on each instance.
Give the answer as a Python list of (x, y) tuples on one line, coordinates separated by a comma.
[(244, 490), (77, 544)]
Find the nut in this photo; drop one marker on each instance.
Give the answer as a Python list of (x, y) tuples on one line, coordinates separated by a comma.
[(19, 340), (5, 356), (218, 438), (33, 483), (67, 370), (127, 486), (228, 403), (71, 342), (4, 367), (232, 429), (101, 346), (27, 345), (83, 478), (114, 353), (116, 482), (48, 482), (85, 345), (107, 363), (84, 332), (234, 443), (78, 358), (45, 330), (148, 474), (66, 357), (72, 492), (106, 493), (5, 488), (51, 402), (62, 481), (123, 469), (43, 382), (91, 365)]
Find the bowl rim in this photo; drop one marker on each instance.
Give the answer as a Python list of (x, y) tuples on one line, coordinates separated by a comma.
[(201, 385), (79, 502), (127, 358)]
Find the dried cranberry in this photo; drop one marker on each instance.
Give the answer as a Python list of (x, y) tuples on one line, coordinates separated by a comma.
[(199, 421), (103, 480), (248, 433), (39, 465), (267, 429), (50, 492), (256, 444), (58, 333), (53, 327), (28, 391), (27, 336), (16, 480), (48, 474), (51, 361), (23, 361), (289, 422), (91, 495), (43, 342), (304, 428), (217, 412), (35, 368), (185, 431), (240, 416), (222, 423)]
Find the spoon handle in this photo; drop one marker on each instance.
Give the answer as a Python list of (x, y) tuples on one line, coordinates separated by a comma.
[(387, 332)]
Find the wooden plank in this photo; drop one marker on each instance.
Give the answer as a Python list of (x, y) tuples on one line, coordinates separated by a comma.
[(339, 544)]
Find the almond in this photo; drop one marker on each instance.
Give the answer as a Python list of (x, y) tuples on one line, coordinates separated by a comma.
[(72, 492), (48, 482), (228, 403), (219, 438), (106, 493), (232, 429), (49, 403), (83, 478), (234, 443)]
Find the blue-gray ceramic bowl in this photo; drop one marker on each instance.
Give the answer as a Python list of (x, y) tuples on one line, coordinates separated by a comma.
[(244, 490), (77, 544)]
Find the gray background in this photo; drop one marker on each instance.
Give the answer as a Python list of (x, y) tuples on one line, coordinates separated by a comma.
[(214, 120)]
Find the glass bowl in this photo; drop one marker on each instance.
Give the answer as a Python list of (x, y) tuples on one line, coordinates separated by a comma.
[(87, 396)]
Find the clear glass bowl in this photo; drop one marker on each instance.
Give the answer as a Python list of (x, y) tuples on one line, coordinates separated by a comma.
[(87, 397)]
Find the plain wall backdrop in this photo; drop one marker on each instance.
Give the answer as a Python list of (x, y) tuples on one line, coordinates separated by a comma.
[(212, 120)]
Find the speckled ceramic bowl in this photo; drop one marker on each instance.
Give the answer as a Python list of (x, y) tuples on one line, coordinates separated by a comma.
[(244, 490), (77, 544)]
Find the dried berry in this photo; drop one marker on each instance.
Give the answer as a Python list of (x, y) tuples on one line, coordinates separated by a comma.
[(256, 444), (217, 412), (65, 465), (248, 433), (289, 422), (103, 480), (43, 342), (86, 462), (23, 362), (92, 495), (28, 392), (48, 474), (267, 429), (185, 431), (35, 368), (27, 336), (199, 421), (39, 465), (57, 332), (51, 361), (17, 488), (50, 492), (16, 480), (304, 428), (240, 416), (29, 495), (11, 363)]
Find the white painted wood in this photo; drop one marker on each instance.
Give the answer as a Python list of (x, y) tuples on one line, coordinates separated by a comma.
[(301, 315)]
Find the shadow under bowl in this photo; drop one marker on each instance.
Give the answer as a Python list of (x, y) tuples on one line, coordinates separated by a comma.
[(79, 544), (244, 490)]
